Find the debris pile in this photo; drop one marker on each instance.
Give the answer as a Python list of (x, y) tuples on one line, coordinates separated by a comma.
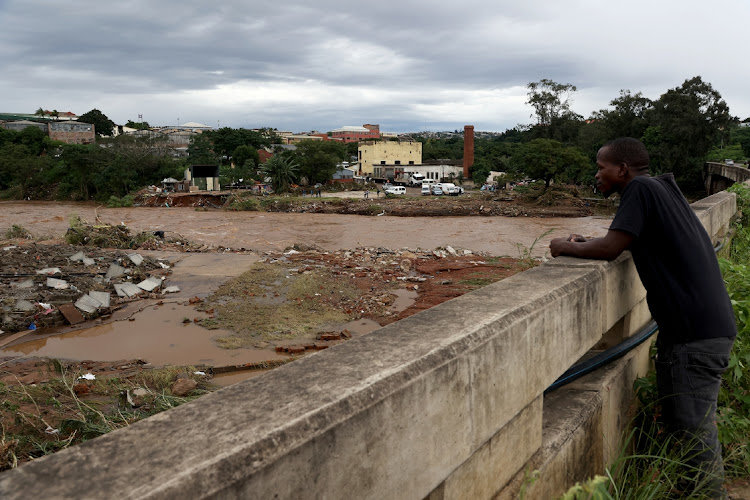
[(50, 285)]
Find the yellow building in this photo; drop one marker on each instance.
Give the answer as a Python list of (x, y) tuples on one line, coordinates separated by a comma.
[(372, 154)]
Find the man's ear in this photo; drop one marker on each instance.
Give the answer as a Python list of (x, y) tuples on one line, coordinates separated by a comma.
[(622, 169)]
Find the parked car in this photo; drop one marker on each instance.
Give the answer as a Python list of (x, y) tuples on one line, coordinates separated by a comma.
[(397, 190), (437, 191), (729, 161), (425, 189)]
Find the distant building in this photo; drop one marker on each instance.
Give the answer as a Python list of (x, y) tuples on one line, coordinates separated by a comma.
[(294, 139), (72, 132), (22, 124), (356, 134), (203, 177), (373, 155), (343, 173)]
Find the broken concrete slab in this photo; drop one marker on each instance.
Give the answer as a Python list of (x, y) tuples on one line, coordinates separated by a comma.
[(24, 305), (71, 314), (150, 284), (135, 258), (102, 297), (76, 257), (49, 270), (24, 284), (57, 284), (114, 271), (88, 261), (87, 303), (127, 289), (172, 289)]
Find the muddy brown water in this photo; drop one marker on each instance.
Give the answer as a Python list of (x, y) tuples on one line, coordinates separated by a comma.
[(262, 231), (158, 335)]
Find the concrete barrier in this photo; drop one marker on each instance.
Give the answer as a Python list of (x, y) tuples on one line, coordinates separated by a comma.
[(444, 404)]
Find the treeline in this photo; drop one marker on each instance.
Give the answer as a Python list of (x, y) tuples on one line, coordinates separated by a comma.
[(34, 167), (682, 129)]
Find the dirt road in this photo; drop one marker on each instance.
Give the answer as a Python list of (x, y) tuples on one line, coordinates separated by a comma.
[(264, 231)]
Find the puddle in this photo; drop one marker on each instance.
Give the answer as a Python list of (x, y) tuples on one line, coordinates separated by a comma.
[(404, 299), (157, 335), (226, 379)]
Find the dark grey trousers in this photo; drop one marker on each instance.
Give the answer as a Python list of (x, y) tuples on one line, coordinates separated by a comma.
[(688, 377)]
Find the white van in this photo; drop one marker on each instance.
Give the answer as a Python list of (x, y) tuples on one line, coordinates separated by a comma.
[(397, 190), (428, 182)]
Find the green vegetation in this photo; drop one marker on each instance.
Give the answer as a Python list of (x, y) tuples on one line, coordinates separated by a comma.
[(682, 129), (17, 232), (649, 465), (270, 302), (44, 418)]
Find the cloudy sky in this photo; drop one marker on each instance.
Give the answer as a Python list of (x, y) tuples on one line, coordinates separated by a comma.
[(407, 65)]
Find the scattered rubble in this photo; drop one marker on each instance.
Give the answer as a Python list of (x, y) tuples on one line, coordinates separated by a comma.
[(81, 288)]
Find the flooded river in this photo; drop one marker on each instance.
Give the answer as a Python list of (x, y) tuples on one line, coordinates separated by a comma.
[(161, 335), (275, 231)]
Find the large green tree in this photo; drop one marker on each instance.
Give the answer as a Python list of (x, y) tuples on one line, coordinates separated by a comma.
[(317, 160), (548, 159), (102, 125), (685, 123), (551, 103)]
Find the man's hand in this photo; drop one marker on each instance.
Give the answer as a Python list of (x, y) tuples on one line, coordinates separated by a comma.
[(577, 237), (556, 246), (607, 248)]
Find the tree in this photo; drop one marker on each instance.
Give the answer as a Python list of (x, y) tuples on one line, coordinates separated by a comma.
[(317, 160), (551, 102), (479, 173), (102, 125), (628, 118), (282, 171), (685, 123), (138, 125), (225, 140), (201, 152), (548, 159)]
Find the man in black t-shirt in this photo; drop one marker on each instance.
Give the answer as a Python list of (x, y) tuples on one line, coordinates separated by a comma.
[(685, 293)]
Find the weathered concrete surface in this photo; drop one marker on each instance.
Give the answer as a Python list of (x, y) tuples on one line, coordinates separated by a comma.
[(571, 447), (388, 415), (498, 460), (404, 412)]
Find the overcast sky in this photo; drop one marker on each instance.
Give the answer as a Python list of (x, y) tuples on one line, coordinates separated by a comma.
[(407, 65)]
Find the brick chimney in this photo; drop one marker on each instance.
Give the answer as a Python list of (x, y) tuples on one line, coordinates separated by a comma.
[(468, 148)]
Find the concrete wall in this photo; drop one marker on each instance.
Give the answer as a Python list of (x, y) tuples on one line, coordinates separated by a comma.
[(444, 404), (719, 176)]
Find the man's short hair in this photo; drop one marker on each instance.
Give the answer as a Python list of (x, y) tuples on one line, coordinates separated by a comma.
[(629, 151)]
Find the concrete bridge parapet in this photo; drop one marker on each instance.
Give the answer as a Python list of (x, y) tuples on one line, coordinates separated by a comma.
[(447, 403), (719, 176)]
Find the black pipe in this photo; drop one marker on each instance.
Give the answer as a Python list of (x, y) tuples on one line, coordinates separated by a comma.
[(603, 358), (597, 361)]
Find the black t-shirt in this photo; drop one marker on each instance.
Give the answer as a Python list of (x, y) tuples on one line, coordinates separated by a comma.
[(675, 261)]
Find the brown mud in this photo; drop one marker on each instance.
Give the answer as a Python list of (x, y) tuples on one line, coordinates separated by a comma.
[(397, 266)]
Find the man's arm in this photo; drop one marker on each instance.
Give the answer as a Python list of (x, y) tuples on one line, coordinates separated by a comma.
[(606, 248)]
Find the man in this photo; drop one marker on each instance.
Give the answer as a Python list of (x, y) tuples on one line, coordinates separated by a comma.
[(686, 295)]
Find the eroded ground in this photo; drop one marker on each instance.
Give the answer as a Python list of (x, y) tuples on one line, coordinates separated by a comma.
[(285, 304)]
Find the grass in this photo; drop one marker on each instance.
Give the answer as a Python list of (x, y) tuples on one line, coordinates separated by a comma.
[(36, 420), (268, 302), (656, 466), (17, 232)]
